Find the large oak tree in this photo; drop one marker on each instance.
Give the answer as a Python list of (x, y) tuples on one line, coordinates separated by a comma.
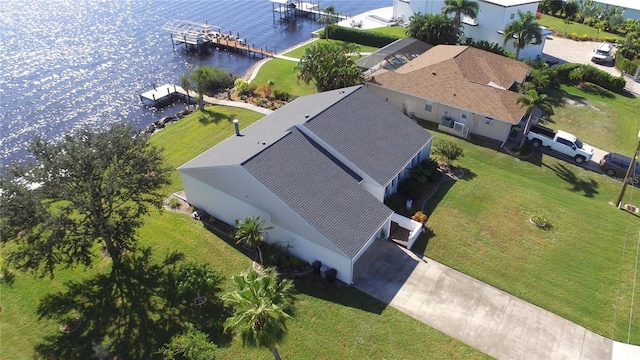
[(75, 197)]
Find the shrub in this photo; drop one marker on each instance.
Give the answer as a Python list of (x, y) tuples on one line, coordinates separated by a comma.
[(243, 87), (174, 203), (626, 65), (410, 187), (264, 90), (281, 95), (424, 171), (447, 150), (366, 38), (420, 217), (561, 74), (279, 255), (490, 47), (396, 203)]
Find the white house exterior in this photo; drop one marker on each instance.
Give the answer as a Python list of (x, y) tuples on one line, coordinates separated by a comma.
[(493, 17), (631, 7), (317, 170), (463, 89)]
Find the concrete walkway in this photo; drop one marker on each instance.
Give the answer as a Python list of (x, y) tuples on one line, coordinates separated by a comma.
[(214, 101), (475, 313)]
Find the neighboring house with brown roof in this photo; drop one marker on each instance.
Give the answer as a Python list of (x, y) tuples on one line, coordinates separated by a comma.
[(463, 89)]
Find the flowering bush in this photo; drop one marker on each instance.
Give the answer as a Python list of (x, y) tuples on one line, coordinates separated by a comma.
[(420, 217)]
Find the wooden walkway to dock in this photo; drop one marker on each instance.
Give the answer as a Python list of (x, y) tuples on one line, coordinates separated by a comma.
[(197, 34)]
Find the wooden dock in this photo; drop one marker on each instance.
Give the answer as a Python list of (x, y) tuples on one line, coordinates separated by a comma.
[(195, 34)]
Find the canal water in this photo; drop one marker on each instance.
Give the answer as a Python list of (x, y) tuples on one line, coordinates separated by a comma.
[(66, 64)]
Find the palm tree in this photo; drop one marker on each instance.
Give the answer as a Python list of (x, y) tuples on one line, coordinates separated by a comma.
[(524, 30), (250, 231), (530, 101), (328, 19), (459, 8), (261, 306)]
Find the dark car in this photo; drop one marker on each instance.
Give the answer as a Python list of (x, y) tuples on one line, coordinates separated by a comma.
[(616, 165)]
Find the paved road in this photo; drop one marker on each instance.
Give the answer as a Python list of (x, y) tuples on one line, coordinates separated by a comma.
[(475, 313), (566, 50)]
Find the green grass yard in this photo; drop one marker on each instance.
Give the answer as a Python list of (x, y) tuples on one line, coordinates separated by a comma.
[(598, 117), (299, 52), (582, 269), (557, 24), (284, 77)]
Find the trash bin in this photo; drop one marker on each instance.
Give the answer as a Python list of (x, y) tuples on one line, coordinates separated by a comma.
[(323, 271), (316, 267), (331, 275)]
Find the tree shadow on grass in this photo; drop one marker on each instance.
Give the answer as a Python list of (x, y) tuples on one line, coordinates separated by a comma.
[(597, 90), (468, 174), (338, 293), (208, 116), (431, 204), (136, 309), (578, 185)]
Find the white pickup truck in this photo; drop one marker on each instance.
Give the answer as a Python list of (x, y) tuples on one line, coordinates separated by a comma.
[(560, 141)]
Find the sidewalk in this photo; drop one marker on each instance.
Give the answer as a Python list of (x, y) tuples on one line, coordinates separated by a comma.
[(478, 314)]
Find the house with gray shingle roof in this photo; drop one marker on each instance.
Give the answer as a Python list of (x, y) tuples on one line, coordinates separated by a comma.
[(317, 170), (463, 89)]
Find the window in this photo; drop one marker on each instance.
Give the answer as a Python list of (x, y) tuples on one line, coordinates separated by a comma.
[(464, 115), (488, 120), (428, 106), (512, 16)]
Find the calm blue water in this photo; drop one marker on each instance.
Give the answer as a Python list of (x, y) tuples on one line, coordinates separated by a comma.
[(66, 64)]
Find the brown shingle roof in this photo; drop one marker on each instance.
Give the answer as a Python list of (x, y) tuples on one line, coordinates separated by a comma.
[(463, 77)]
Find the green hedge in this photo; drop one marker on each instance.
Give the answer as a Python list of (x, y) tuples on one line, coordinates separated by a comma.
[(626, 65), (592, 74), (362, 37)]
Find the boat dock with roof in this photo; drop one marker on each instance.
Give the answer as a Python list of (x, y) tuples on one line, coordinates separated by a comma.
[(297, 7), (196, 34)]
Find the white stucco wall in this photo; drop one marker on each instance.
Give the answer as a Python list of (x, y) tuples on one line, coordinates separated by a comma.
[(491, 19), (309, 252)]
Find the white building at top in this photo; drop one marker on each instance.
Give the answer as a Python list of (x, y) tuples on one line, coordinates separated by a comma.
[(631, 7), (493, 17)]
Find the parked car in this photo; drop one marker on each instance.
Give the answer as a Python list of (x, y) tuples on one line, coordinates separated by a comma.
[(560, 141), (603, 53), (616, 165)]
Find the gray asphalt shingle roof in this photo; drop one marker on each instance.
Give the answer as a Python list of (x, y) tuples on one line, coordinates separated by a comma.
[(371, 133), (316, 188), (255, 138)]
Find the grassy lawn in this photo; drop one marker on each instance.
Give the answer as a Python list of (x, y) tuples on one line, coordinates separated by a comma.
[(581, 269), (391, 30), (284, 77), (558, 25), (331, 321), (299, 52), (598, 117)]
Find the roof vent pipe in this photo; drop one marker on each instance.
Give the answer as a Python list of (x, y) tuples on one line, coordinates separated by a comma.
[(235, 125)]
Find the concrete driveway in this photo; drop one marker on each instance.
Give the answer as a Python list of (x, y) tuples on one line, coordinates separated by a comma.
[(477, 314)]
